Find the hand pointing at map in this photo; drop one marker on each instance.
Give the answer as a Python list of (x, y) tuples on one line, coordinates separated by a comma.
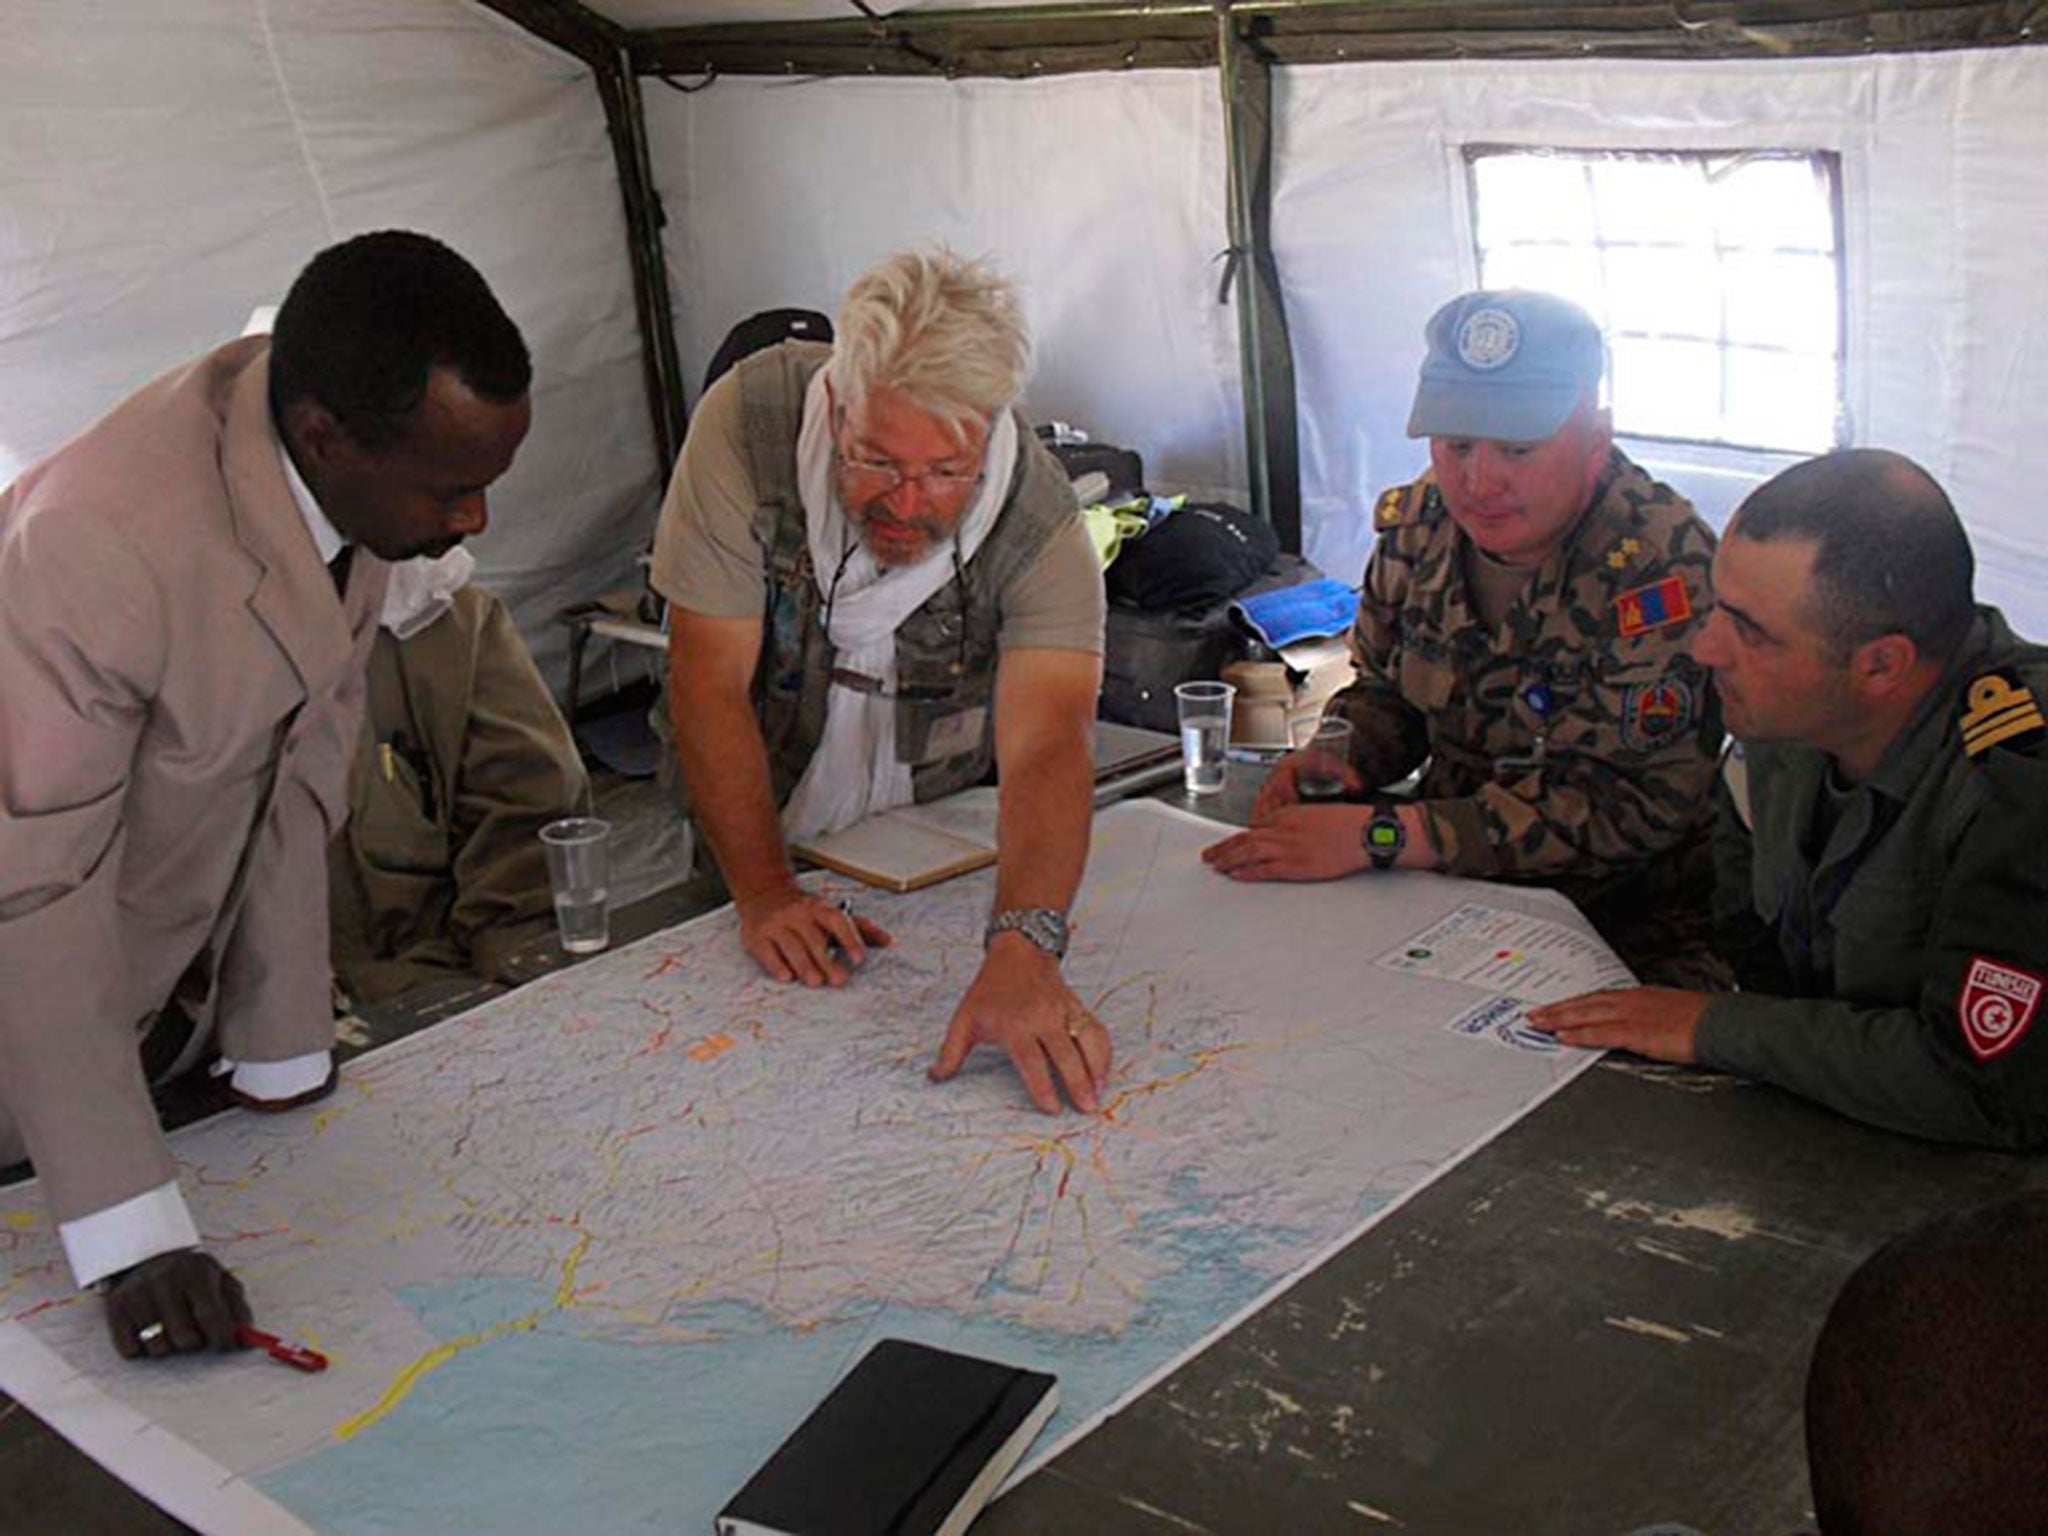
[(1021, 1003)]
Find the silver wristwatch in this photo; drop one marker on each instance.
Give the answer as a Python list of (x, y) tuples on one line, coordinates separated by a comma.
[(1041, 925)]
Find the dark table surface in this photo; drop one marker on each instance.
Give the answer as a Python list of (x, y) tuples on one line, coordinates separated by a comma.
[(1599, 1320)]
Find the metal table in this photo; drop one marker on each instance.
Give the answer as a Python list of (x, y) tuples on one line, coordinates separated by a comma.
[(1599, 1320)]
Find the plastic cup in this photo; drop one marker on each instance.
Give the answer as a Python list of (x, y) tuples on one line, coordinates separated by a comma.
[(579, 869), (1322, 750), (1204, 734)]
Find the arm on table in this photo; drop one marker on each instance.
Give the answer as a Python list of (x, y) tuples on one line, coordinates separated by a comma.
[(71, 1081), (725, 765), (1045, 707), (1906, 1068)]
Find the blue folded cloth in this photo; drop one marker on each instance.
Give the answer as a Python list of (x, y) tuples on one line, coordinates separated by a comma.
[(1324, 606)]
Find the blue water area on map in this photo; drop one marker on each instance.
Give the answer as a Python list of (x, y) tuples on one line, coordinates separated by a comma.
[(574, 1426)]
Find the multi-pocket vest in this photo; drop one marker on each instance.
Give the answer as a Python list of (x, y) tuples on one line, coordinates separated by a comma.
[(945, 651)]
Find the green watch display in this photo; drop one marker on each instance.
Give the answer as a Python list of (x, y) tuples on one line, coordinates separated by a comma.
[(1384, 839)]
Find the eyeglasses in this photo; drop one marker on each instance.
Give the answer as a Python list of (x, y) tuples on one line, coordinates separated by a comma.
[(880, 477), (883, 477)]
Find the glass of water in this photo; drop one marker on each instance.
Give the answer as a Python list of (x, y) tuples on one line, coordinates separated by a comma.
[(1204, 733), (579, 869), (1322, 754)]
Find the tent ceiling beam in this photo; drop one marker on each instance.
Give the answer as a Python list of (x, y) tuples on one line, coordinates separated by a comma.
[(573, 28), (603, 46), (1024, 42)]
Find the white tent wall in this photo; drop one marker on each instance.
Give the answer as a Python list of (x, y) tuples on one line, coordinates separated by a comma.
[(164, 169), (1102, 196), (1945, 195)]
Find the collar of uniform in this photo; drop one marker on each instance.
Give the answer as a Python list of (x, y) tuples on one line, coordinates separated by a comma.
[(1605, 514), (1926, 734), (326, 537)]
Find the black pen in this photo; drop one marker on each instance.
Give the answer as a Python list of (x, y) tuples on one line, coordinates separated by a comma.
[(837, 946)]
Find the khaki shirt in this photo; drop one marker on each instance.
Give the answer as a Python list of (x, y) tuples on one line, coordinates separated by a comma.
[(708, 557)]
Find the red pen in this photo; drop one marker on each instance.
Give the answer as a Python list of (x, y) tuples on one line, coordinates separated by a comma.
[(291, 1354)]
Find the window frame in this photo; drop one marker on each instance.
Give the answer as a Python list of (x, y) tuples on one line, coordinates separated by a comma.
[(1827, 163)]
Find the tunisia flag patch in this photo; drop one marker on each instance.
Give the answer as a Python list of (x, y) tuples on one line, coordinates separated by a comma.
[(1996, 1006)]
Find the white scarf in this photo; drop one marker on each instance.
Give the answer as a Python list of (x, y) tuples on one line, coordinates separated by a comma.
[(421, 590), (854, 772)]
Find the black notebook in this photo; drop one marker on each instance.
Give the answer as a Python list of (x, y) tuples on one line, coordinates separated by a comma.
[(913, 1442)]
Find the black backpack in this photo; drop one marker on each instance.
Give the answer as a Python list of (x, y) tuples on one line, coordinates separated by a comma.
[(1203, 554), (765, 330)]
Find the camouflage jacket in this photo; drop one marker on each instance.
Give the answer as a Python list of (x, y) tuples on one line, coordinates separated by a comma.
[(1576, 743), (1907, 951)]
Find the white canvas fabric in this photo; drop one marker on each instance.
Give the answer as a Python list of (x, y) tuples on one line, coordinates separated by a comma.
[(164, 169)]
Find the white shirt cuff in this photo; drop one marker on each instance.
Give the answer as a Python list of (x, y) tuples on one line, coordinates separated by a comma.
[(283, 1079), (141, 1227)]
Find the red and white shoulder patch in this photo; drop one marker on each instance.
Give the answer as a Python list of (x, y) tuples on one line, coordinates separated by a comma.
[(1996, 1006)]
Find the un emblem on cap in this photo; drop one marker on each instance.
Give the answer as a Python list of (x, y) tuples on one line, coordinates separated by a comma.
[(1488, 339)]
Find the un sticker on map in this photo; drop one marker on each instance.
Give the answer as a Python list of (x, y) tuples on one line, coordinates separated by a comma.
[(1504, 1021)]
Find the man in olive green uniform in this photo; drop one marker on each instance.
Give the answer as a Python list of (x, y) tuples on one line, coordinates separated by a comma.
[(1887, 897), (462, 760), (879, 587), (1522, 639)]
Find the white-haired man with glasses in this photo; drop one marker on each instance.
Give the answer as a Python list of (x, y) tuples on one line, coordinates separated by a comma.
[(880, 588)]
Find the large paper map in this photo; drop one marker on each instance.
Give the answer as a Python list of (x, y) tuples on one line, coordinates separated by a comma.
[(584, 1256)]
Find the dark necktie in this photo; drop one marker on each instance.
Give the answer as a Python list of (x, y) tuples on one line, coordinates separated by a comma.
[(338, 569)]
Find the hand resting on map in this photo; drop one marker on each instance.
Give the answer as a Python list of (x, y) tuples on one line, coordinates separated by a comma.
[(175, 1303), (796, 936), (1657, 1022)]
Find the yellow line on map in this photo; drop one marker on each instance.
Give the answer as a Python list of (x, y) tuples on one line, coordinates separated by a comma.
[(441, 1354), (432, 1360), (565, 1293)]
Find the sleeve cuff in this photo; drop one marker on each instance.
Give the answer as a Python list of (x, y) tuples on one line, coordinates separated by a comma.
[(1728, 1034), (141, 1227)]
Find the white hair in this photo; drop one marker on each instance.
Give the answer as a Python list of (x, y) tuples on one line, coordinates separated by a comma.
[(943, 331)]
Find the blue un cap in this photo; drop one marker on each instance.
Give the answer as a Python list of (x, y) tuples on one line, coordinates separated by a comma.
[(1508, 364)]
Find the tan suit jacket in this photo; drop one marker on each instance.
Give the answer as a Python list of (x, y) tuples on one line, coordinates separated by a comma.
[(180, 691)]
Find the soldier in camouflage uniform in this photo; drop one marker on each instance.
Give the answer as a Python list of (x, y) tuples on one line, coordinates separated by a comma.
[(1522, 640), (1885, 891)]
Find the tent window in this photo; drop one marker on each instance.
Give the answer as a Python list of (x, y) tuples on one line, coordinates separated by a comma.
[(1716, 275)]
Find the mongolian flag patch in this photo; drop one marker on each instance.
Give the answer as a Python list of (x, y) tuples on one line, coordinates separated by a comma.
[(2000, 709), (1995, 1007), (1652, 607)]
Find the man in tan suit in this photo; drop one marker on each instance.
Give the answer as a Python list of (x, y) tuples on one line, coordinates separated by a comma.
[(187, 595)]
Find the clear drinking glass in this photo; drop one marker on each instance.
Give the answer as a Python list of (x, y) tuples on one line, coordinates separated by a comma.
[(1322, 751), (1204, 734), (579, 869)]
